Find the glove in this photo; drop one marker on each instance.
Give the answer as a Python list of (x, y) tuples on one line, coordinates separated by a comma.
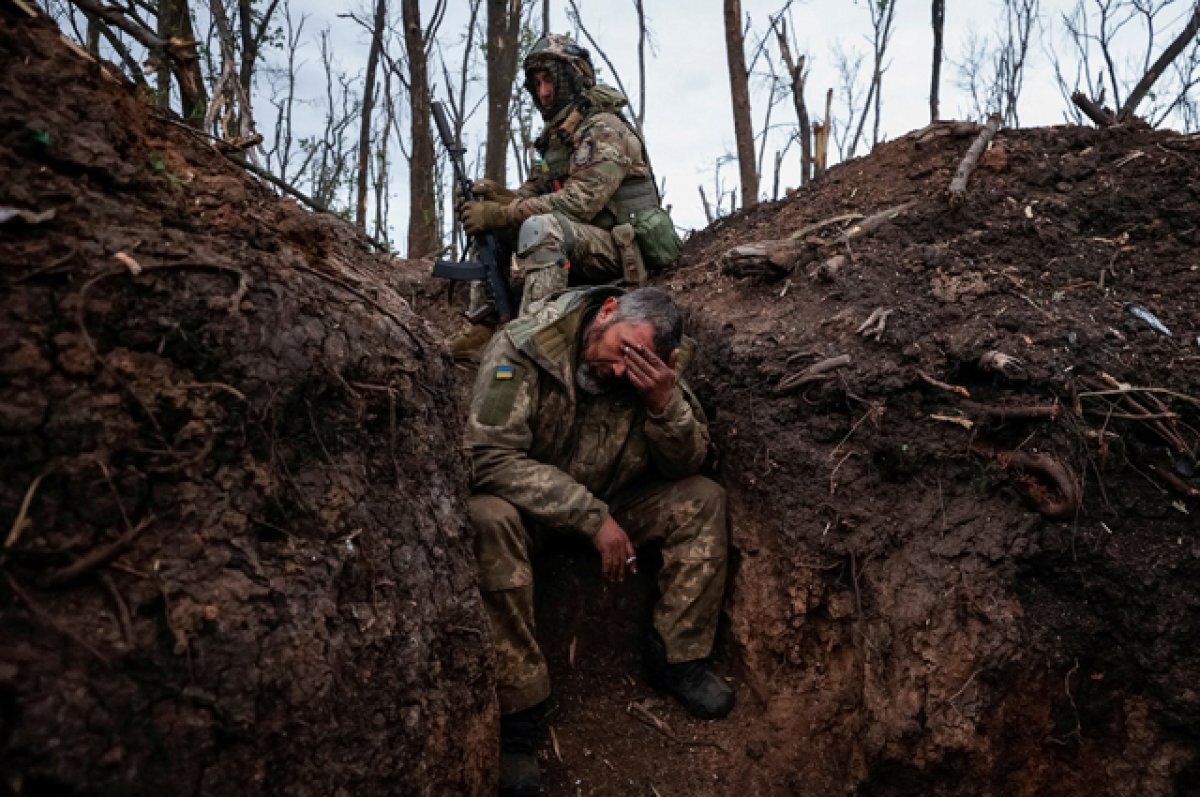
[(490, 189), (477, 217)]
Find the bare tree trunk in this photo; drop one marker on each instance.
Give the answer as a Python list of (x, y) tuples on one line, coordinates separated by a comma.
[(503, 38), (821, 139), (545, 17), (422, 217), (939, 24), (1170, 54), (708, 213), (883, 13), (640, 118), (739, 84), (368, 106), (795, 70)]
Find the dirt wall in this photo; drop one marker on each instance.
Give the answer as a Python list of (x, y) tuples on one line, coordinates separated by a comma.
[(235, 560)]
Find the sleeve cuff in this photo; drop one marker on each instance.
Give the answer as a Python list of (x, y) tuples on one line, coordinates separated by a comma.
[(594, 519), (673, 411)]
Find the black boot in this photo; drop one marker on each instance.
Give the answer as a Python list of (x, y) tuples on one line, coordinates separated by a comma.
[(698, 688), (520, 733)]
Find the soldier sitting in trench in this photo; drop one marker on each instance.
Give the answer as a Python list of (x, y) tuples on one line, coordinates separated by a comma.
[(589, 213), (579, 424)]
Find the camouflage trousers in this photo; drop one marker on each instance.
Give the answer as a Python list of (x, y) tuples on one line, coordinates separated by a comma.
[(590, 252), (687, 516)]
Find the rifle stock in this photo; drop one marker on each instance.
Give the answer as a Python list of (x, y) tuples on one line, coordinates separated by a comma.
[(492, 264)]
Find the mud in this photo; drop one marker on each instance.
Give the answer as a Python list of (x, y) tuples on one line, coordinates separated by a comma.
[(236, 560)]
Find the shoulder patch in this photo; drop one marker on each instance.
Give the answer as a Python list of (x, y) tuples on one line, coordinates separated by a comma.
[(583, 152), (501, 394)]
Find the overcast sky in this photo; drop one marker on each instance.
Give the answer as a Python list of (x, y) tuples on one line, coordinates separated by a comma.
[(688, 121)]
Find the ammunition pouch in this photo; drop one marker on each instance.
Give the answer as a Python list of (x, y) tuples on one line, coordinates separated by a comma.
[(631, 257)]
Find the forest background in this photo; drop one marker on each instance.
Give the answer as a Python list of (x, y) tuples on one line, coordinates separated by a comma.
[(331, 101)]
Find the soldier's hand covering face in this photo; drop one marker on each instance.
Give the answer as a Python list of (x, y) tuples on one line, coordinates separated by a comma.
[(653, 379)]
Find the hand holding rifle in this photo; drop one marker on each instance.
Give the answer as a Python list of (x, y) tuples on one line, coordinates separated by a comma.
[(491, 266)]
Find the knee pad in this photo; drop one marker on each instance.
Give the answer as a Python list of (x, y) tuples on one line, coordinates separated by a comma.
[(540, 232)]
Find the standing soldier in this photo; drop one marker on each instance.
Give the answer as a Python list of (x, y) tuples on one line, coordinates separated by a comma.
[(590, 212), (579, 424)]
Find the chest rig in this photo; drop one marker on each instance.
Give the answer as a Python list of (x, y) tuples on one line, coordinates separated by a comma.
[(556, 145)]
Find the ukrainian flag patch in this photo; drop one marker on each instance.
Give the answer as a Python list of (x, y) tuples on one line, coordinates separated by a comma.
[(501, 395)]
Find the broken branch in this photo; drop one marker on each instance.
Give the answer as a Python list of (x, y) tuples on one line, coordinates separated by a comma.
[(816, 372), (958, 186)]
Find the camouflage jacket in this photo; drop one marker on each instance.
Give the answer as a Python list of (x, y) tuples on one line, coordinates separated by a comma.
[(583, 163), (555, 452)]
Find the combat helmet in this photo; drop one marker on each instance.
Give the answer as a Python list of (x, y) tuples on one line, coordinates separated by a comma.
[(569, 65)]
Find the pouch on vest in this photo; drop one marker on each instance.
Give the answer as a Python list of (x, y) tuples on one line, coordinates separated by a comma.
[(656, 237), (631, 256)]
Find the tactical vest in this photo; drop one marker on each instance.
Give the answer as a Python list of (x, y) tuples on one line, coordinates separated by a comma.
[(558, 141)]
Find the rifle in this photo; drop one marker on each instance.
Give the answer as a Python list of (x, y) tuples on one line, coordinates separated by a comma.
[(492, 261)]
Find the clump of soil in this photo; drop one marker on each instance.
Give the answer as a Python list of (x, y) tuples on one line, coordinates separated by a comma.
[(235, 557)]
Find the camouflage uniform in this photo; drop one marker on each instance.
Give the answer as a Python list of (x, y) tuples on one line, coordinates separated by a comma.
[(591, 165), (548, 457)]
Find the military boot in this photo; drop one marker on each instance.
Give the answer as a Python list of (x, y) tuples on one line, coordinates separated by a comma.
[(520, 733), (700, 690), (468, 344)]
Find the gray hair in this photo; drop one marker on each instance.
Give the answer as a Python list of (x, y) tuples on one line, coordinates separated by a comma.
[(656, 306)]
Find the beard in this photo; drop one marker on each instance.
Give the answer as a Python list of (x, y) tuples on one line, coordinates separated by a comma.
[(587, 380)]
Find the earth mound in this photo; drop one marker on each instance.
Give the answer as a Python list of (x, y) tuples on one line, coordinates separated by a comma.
[(235, 556), (960, 440)]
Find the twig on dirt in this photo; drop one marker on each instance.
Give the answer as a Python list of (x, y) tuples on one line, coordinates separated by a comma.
[(230, 389), (463, 629), (836, 468), (644, 716), (950, 700), (872, 223), (41, 614), (820, 225), (958, 420), (1133, 416), (854, 574), (554, 743), (50, 267), (312, 422), (1071, 699), (876, 323), (122, 608), (1175, 483), (929, 380), (816, 372), (18, 526), (958, 186), (1008, 413), (1162, 391), (98, 557)]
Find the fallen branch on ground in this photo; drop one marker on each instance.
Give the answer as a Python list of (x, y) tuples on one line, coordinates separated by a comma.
[(958, 186), (777, 258), (1101, 116), (929, 380), (1008, 413), (817, 372), (96, 558)]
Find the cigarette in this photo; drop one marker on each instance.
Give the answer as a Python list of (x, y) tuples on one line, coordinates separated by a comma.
[(631, 560)]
